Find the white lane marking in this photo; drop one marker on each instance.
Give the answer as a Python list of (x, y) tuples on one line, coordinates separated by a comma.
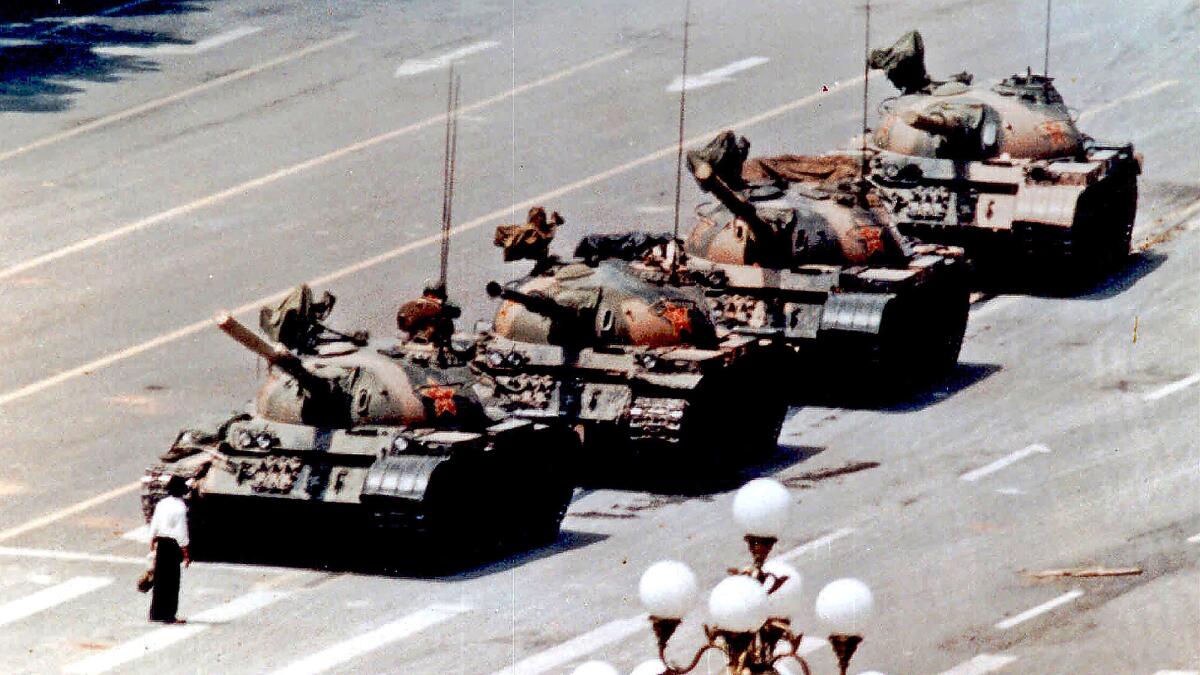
[(68, 511), (139, 534), (49, 597), (984, 663), (332, 657), (486, 219), (192, 49), (417, 66), (814, 544), (160, 639), (1141, 93), (1040, 609), (274, 176), (1172, 388), (177, 96), (1036, 448), (613, 631), (1010, 491), (1194, 539), (75, 556), (717, 75)]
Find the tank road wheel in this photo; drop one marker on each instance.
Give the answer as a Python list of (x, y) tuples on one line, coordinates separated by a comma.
[(948, 310)]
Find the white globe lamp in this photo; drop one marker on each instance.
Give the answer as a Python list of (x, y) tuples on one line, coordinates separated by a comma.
[(738, 605)]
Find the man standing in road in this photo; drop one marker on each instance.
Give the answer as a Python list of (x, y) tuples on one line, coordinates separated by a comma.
[(169, 544)]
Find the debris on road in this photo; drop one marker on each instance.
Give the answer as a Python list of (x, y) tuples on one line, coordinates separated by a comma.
[(1087, 572)]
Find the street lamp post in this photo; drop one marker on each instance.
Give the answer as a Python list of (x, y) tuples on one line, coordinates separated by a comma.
[(752, 609)]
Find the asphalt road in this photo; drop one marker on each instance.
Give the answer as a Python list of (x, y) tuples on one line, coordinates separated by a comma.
[(167, 158)]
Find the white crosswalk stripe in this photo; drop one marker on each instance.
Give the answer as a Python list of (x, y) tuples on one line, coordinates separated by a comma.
[(613, 631), (334, 656), (159, 639), (49, 597)]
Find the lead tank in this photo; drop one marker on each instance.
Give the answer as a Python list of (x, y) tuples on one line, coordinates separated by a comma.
[(363, 434), (797, 250), (999, 168), (632, 361)]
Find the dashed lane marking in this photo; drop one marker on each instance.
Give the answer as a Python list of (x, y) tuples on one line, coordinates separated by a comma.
[(74, 556), (46, 598), (1172, 388), (332, 657), (198, 47), (417, 66), (68, 511), (972, 476), (1194, 539), (819, 542), (196, 327), (275, 176), (139, 534), (609, 633), (984, 663), (160, 639), (175, 98), (1032, 612), (717, 75)]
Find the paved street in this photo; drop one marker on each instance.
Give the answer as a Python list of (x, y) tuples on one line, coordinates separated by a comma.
[(164, 159)]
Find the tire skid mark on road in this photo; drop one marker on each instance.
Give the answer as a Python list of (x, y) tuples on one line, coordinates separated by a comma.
[(1033, 612), (159, 639), (149, 106), (298, 168)]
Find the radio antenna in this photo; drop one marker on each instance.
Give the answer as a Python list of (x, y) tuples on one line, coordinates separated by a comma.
[(448, 167), (862, 167), (687, 11), (1046, 61)]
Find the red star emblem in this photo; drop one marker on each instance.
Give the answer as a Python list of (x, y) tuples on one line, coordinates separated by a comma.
[(678, 315), (443, 401)]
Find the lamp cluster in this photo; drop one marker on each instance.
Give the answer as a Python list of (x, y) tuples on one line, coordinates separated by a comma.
[(751, 611)]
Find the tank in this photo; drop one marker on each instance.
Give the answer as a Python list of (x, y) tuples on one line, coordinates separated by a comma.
[(1001, 169), (370, 437), (797, 250), (632, 361)]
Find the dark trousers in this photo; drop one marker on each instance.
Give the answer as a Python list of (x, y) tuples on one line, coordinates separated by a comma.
[(164, 601)]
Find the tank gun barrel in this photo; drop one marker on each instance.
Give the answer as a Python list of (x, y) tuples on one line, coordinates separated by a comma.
[(736, 203), (276, 354), (538, 304)]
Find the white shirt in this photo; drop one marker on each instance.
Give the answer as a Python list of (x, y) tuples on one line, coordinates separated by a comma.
[(170, 520)]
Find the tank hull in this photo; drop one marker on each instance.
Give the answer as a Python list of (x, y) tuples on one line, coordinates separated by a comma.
[(256, 480)]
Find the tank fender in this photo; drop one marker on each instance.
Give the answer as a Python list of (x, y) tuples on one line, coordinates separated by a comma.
[(402, 476), (855, 312)]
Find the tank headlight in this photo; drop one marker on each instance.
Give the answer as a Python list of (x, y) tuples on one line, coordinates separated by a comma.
[(514, 360), (186, 438), (400, 444), (988, 134), (264, 440), (244, 439), (495, 359), (648, 361)]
